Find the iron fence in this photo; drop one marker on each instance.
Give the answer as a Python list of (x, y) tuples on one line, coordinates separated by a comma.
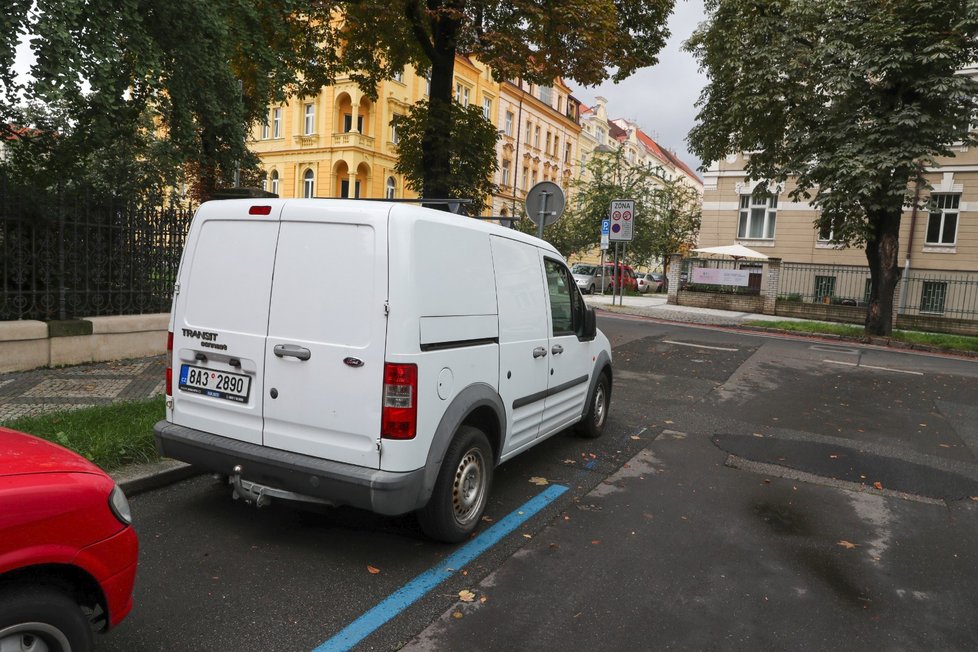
[(66, 256), (923, 292), (836, 284)]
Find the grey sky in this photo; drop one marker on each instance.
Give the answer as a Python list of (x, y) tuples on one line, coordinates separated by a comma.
[(660, 99)]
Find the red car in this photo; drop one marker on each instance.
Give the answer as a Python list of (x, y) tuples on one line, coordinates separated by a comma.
[(67, 547), (625, 274)]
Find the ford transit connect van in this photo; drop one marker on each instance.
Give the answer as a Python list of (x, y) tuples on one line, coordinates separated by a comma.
[(453, 347)]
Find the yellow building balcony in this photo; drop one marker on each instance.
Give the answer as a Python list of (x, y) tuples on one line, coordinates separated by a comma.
[(353, 139)]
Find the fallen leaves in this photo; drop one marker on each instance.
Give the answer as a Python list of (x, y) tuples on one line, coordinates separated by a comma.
[(540, 482), (878, 486), (373, 570), (848, 545), (466, 596)]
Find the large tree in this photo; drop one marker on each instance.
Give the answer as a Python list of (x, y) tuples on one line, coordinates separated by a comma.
[(850, 99), (537, 41), (472, 160), (117, 83)]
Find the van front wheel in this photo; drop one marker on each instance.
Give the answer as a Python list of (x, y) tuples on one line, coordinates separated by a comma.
[(461, 490), (592, 425)]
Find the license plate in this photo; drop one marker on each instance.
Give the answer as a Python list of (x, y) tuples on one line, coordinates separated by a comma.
[(216, 384)]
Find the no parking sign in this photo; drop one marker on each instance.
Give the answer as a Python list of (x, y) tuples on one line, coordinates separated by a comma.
[(622, 220)]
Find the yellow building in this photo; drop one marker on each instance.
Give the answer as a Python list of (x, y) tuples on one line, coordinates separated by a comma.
[(340, 143), (539, 129)]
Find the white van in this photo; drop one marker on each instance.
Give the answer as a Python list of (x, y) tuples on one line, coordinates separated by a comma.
[(379, 355)]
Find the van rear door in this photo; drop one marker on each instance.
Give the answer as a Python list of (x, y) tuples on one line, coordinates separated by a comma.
[(324, 357), (221, 318)]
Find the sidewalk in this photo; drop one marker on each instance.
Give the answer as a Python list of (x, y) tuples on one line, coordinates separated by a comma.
[(654, 305)]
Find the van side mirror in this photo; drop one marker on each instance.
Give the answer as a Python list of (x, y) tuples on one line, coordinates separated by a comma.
[(590, 326)]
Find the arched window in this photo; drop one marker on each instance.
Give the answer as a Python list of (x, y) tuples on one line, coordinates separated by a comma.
[(273, 182), (391, 187), (308, 184)]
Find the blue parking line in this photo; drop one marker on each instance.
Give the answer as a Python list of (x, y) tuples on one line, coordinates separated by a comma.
[(414, 590)]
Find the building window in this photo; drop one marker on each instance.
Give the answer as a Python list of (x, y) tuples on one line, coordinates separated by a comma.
[(461, 95), (504, 175), (556, 145), (399, 76), (549, 140), (758, 213), (394, 137), (826, 233), (932, 297), (602, 137), (567, 154), (308, 184), (534, 177), (508, 125), (942, 226), (529, 132), (273, 182), (277, 122), (536, 136), (265, 131), (427, 84), (347, 123), (309, 119), (526, 177), (487, 108), (824, 287), (546, 95), (391, 187)]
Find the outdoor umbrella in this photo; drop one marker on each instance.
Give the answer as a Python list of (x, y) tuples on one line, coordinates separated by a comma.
[(734, 251)]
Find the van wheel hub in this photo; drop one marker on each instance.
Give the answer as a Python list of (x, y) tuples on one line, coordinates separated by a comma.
[(469, 488)]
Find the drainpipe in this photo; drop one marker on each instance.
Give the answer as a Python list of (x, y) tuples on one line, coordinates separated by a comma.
[(906, 263)]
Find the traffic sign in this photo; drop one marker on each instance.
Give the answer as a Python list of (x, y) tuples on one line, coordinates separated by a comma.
[(605, 227), (622, 220), (544, 204)]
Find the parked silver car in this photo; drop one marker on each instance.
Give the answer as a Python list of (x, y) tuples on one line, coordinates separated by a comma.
[(650, 282), (588, 277)]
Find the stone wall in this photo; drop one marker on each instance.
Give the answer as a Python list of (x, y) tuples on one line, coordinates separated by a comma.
[(29, 344), (821, 311), (738, 302), (937, 324)]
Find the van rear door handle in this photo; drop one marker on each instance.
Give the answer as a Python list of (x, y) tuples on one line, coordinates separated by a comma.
[(292, 351), (539, 352), (557, 350)]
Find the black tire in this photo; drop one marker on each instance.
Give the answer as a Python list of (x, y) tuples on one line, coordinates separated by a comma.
[(461, 490), (46, 616), (590, 290), (592, 425)]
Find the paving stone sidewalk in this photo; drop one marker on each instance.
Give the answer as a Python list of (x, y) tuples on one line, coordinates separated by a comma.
[(29, 393)]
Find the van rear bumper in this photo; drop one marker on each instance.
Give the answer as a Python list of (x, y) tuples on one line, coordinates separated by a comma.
[(382, 492)]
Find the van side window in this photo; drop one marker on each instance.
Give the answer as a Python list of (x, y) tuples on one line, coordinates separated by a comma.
[(566, 304)]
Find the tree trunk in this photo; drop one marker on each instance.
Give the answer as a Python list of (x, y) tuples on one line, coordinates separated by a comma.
[(882, 253), (436, 142)]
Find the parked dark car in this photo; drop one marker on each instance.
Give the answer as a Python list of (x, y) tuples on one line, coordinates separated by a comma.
[(67, 547)]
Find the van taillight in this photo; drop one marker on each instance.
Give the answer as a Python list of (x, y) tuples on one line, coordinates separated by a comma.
[(399, 419), (169, 363), (260, 210)]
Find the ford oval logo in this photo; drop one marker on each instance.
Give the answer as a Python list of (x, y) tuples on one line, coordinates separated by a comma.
[(353, 362)]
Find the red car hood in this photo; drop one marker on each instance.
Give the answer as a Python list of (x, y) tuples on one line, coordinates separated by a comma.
[(20, 453)]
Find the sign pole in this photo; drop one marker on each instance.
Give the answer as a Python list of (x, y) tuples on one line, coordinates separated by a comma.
[(544, 196)]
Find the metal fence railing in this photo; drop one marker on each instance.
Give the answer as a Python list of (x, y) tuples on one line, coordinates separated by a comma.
[(836, 284), (923, 292), (943, 294), (65, 257)]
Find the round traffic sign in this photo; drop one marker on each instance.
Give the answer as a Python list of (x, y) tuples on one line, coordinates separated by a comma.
[(616, 227), (627, 215), (616, 215)]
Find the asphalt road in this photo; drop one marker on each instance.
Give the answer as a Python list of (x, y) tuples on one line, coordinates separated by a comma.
[(749, 492)]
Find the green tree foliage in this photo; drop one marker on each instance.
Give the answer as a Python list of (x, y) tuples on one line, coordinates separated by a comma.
[(472, 147), (851, 99), (667, 213), (116, 84), (537, 41)]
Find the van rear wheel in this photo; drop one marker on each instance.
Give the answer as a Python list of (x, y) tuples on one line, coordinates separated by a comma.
[(461, 490), (592, 425)]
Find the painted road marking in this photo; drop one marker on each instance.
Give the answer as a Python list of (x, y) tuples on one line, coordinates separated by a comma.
[(869, 366), (414, 590), (699, 346)]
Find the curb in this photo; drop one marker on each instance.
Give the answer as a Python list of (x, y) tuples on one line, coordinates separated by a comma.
[(139, 478)]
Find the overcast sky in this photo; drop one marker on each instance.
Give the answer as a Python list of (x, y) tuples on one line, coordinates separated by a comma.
[(660, 99)]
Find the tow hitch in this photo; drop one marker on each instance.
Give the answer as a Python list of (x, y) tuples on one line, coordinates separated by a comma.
[(261, 495)]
